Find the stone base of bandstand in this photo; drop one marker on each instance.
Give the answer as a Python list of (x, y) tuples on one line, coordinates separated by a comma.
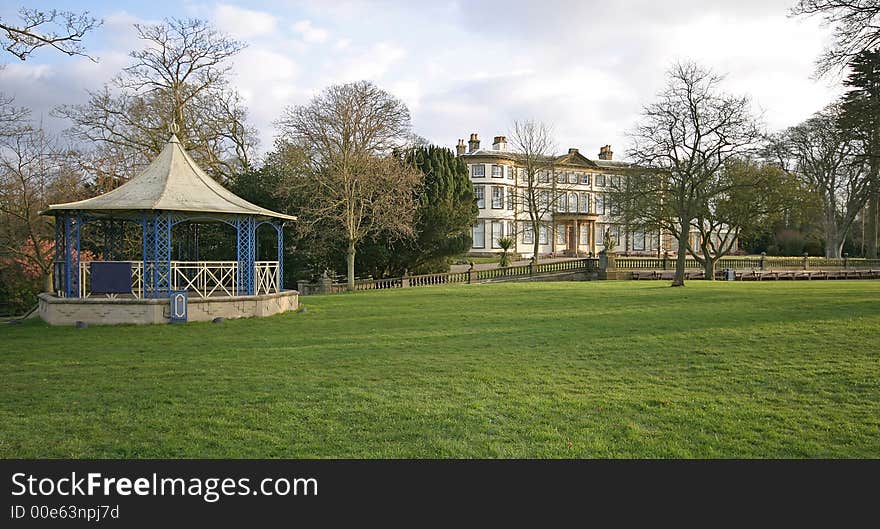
[(103, 311)]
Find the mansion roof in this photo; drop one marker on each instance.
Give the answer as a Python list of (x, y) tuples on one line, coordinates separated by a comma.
[(572, 158)]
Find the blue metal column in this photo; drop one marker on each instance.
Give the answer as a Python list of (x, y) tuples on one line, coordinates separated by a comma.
[(148, 239), (156, 228), (72, 224), (245, 227), (58, 262), (279, 226), (162, 239)]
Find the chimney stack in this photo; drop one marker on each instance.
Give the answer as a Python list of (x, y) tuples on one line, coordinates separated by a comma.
[(473, 143), (605, 152), (461, 148), (499, 143), (572, 150)]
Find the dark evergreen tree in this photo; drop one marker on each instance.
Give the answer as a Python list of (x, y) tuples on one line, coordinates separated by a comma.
[(860, 116), (442, 231), (447, 210)]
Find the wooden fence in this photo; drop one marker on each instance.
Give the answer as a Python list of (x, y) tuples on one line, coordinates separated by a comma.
[(750, 263), (451, 278)]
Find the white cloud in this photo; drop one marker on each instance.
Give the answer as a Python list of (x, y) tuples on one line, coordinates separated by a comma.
[(310, 33), (587, 68), (244, 23), (372, 63)]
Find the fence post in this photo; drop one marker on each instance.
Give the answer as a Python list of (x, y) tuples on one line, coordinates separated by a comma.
[(532, 266), (763, 256), (806, 260), (470, 272), (404, 281), (325, 284), (665, 259), (845, 260)]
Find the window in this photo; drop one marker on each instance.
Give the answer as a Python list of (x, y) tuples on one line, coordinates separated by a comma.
[(600, 234), (544, 235), (585, 234), (497, 197), (573, 202), (600, 180), (615, 181), (572, 178), (478, 171), (480, 193), (511, 172), (600, 204), (509, 230), (544, 177), (585, 178), (612, 206), (497, 233), (560, 178), (497, 172), (523, 175), (511, 199), (560, 233), (561, 202), (585, 203), (528, 236), (480, 234), (544, 200), (639, 240)]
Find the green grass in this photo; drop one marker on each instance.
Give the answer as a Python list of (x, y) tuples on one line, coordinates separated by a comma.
[(596, 369)]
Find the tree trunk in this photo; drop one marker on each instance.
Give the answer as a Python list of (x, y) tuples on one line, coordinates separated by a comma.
[(349, 260), (536, 226), (682, 253), (870, 234), (833, 242), (709, 267)]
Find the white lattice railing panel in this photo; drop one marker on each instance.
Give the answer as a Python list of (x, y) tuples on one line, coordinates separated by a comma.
[(205, 278), (266, 277), (200, 278)]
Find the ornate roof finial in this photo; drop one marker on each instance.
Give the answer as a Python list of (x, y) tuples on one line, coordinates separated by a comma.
[(173, 128)]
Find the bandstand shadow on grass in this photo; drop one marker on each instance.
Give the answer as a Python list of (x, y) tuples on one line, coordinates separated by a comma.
[(173, 196)]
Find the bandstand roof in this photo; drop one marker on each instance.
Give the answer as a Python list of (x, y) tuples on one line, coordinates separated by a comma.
[(172, 182)]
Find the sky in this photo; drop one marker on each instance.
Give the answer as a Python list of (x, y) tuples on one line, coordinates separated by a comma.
[(586, 68)]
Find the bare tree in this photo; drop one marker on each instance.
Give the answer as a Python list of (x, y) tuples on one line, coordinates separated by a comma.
[(12, 119), (177, 81), (34, 172), (66, 33), (534, 148), (742, 196), (681, 144), (828, 160), (350, 134), (856, 26)]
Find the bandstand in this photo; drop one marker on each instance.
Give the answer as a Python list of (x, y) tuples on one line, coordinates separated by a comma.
[(156, 288)]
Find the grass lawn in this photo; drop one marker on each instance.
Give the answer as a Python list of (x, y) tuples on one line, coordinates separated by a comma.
[(596, 369)]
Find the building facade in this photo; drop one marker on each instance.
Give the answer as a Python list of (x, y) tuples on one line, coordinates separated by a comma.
[(575, 190)]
